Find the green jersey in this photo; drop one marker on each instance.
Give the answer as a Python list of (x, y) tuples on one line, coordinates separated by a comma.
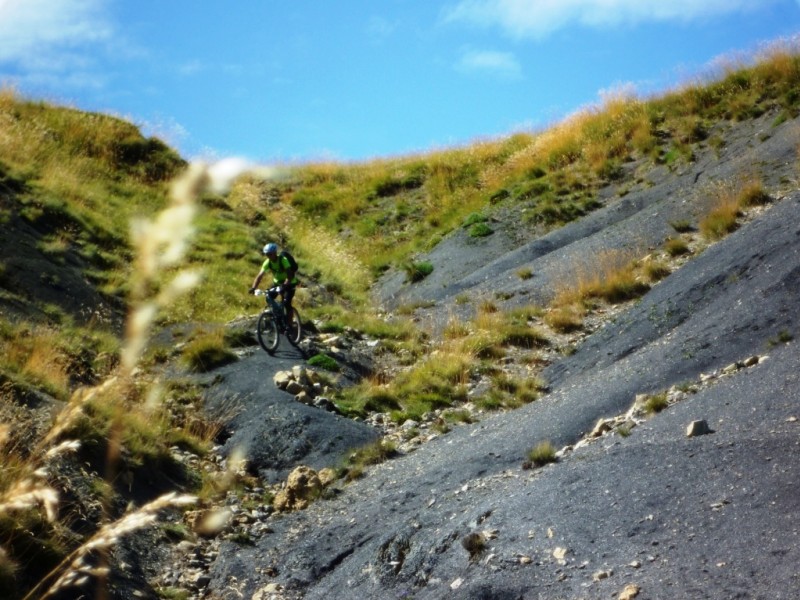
[(281, 268)]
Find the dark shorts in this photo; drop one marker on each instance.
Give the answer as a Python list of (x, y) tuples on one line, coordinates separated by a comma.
[(287, 294)]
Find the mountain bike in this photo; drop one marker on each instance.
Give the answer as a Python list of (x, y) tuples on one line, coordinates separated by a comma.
[(272, 322)]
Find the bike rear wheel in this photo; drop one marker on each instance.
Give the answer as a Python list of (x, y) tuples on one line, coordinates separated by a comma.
[(295, 333), (267, 332)]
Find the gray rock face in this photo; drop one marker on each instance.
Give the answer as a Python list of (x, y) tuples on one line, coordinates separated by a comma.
[(274, 430), (652, 513)]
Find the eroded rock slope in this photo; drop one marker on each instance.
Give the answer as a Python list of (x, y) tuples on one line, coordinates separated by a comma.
[(640, 511)]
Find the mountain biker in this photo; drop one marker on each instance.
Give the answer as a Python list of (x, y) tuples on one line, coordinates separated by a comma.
[(283, 267)]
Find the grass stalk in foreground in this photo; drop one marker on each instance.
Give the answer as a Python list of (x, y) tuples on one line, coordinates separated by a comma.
[(161, 244)]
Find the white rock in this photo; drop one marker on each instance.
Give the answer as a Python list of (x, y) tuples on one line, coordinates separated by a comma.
[(699, 427), (600, 575)]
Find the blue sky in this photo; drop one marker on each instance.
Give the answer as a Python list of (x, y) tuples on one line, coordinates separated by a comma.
[(299, 80)]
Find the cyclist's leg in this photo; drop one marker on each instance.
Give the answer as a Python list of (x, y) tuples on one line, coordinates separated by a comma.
[(288, 295)]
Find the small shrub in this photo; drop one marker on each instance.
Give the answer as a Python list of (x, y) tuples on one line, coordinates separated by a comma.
[(239, 337), (676, 246), (367, 398), (171, 593), (484, 347), (488, 307), (523, 337), (371, 454), (474, 219), (720, 221), (412, 307), (323, 361), (565, 319), (624, 430), (656, 403), (729, 200), (753, 194), (655, 270), (455, 329), (417, 271), (681, 226), (542, 454), (525, 273), (458, 416), (492, 400), (623, 286), (480, 230)]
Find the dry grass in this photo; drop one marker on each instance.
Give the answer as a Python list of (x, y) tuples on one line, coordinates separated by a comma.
[(119, 411), (729, 200), (676, 246), (612, 276), (721, 219), (656, 270), (35, 355), (76, 569), (541, 454), (752, 193), (565, 318), (330, 256), (354, 220)]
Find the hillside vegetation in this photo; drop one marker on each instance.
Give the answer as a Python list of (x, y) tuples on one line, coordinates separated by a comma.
[(74, 186)]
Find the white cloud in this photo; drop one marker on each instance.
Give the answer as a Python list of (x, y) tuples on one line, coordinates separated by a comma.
[(538, 18), (47, 35), (503, 64)]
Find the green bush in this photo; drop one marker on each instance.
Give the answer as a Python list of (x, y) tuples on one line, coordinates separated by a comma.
[(656, 403), (323, 361), (474, 218), (417, 271), (542, 454), (480, 230)]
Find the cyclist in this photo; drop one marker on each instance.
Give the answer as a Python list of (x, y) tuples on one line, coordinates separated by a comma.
[(283, 267)]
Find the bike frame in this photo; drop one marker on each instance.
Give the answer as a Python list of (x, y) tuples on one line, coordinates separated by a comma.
[(274, 319), (277, 308)]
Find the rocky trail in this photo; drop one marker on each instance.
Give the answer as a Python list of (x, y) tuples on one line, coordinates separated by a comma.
[(700, 500)]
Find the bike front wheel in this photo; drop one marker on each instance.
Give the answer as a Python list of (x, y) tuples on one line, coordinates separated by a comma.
[(267, 332), (295, 333)]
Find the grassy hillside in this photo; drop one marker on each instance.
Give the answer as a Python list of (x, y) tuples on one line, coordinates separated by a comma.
[(386, 210), (71, 184)]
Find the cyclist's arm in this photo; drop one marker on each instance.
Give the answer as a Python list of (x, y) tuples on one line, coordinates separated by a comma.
[(257, 280)]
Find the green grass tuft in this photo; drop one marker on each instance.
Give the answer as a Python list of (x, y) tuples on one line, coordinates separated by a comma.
[(541, 454), (323, 361)]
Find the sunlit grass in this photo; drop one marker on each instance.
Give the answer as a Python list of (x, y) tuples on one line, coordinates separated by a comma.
[(541, 454), (612, 275), (80, 178)]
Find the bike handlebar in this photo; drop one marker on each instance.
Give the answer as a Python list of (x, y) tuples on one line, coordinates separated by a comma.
[(276, 289)]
